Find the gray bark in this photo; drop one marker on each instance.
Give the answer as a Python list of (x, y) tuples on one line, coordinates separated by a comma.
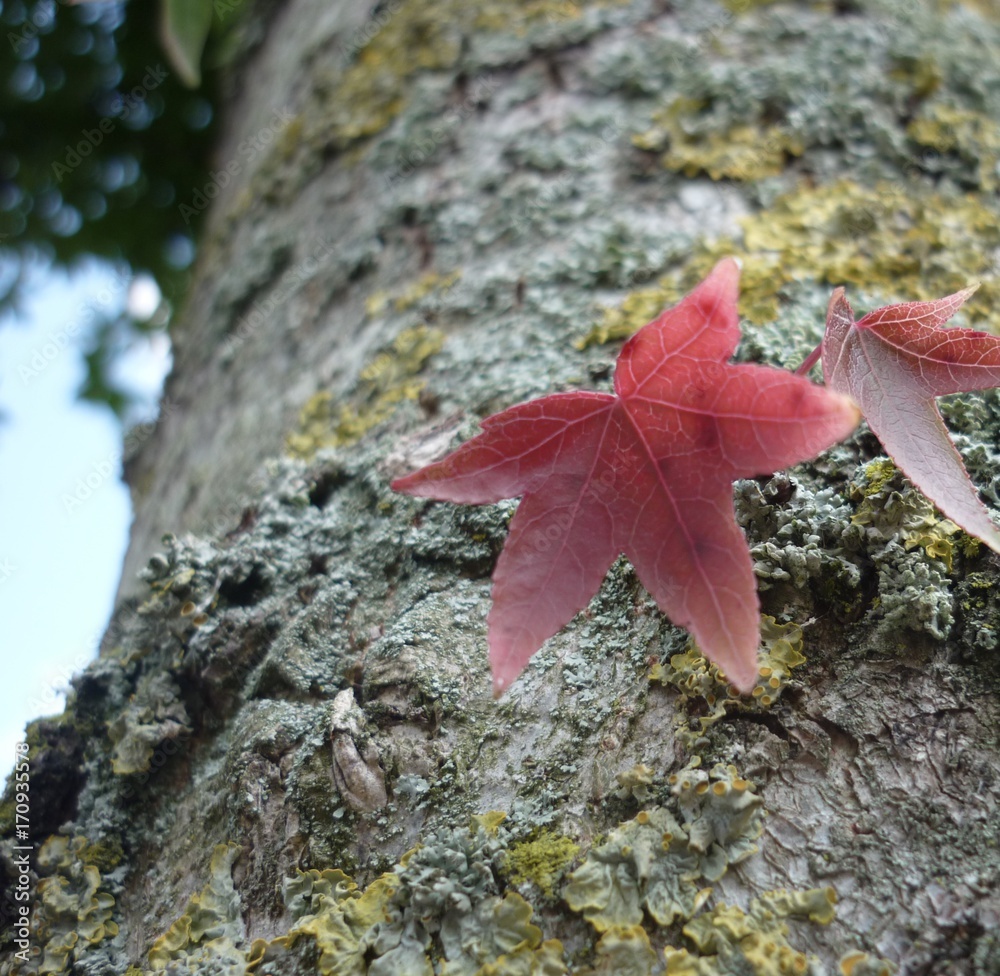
[(431, 205)]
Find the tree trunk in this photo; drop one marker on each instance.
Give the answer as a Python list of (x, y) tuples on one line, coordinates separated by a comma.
[(423, 212)]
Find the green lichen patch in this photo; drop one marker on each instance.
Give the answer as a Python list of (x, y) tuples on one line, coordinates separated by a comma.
[(910, 545), (889, 505), (623, 950), (730, 942), (154, 714), (390, 378), (890, 240), (651, 867), (973, 137), (74, 911), (646, 864), (438, 913), (977, 603), (418, 39), (636, 782), (541, 861), (208, 932), (331, 914), (722, 812), (746, 151), (703, 686)]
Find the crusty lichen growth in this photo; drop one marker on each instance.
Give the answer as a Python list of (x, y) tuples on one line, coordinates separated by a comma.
[(749, 150), (887, 239), (208, 933), (728, 941), (911, 546), (654, 862), (972, 138), (74, 912), (438, 911), (391, 377), (502, 163), (154, 714), (699, 681)]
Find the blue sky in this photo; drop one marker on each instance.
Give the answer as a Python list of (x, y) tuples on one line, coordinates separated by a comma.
[(64, 512)]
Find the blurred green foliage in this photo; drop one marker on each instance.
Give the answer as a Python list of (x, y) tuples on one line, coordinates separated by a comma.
[(100, 142)]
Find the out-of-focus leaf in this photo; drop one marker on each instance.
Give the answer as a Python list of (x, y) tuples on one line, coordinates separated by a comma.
[(184, 26)]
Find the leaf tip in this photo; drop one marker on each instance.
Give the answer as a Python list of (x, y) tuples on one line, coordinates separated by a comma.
[(743, 677)]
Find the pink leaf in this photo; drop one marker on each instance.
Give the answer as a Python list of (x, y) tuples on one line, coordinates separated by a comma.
[(647, 472), (893, 363)]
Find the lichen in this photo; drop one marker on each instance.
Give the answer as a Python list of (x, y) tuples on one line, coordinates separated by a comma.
[(74, 913), (431, 283), (377, 85), (886, 239), (391, 377), (862, 964), (623, 950), (209, 930), (730, 942), (153, 715), (890, 506), (700, 681), (972, 137), (645, 864), (911, 546), (438, 912), (635, 782), (746, 151), (541, 860), (330, 912), (722, 813)]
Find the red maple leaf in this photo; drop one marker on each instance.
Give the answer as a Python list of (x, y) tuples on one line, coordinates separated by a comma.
[(893, 363), (647, 472)]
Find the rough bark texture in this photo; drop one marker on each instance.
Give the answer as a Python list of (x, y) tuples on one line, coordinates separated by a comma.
[(436, 204)]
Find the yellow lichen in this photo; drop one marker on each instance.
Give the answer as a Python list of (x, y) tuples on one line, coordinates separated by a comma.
[(210, 925), (73, 912), (697, 679), (415, 38), (489, 821), (970, 135), (624, 951), (730, 941), (891, 506), (541, 861), (862, 964), (428, 284), (644, 864), (891, 239), (334, 914), (390, 378), (749, 151), (635, 782)]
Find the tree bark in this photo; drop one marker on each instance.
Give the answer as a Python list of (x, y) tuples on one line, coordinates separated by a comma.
[(421, 212)]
